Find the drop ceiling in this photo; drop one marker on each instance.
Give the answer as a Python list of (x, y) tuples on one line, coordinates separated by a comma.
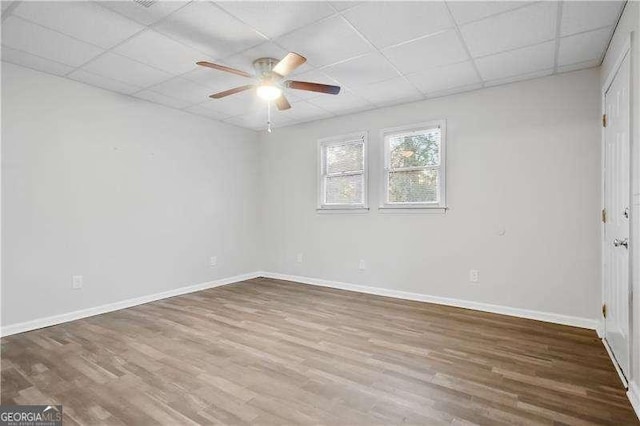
[(381, 53)]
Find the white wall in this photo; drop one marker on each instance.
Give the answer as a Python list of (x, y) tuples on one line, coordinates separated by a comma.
[(524, 156), (630, 22), (133, 196)]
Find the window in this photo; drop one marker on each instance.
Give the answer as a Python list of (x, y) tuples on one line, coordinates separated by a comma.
[(343, 172), (414, 160)]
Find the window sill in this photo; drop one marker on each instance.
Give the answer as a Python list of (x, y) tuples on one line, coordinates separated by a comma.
[(342, 210), (413, 209)]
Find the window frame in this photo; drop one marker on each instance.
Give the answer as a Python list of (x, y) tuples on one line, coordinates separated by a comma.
[(355, 138), (386, 153)]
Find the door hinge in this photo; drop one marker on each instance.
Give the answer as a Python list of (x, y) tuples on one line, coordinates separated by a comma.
[(604, 310), (604, 120), (604, 215)]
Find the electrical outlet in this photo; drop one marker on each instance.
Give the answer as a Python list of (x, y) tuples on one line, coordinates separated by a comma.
[(213, 261), (77, 282), (299, 258), (362, 266), (474, 276)]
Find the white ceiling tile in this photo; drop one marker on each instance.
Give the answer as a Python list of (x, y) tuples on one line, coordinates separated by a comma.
[(444, 78), (83, 20), (521, 77), (362, 70), (342, 103), (142, 14), (206, 27), (273, 18), (344, 5), (583, 47), (158, 98), (302, 110), (183, 89), (31, 38), (216, 80), (314, 77), (388, 92), (161, 52), (126, 70), (389, 23), (516, 62), (467, 11), (579, 66), (436, 50), (103, 82), (326, 42), (521, 27), (244, 60), (579, 16), (455, 90), (204, 111), (5, 4), (34, 62), (257, 120), (238, 104)]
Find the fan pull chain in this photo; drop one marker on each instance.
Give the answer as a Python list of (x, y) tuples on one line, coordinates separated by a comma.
[(269, 116)]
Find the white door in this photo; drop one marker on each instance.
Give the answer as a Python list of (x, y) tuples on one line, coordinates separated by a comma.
[(617, 179)]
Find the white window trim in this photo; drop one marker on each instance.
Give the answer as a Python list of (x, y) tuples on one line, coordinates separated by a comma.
[(340, 140), (442, 204)]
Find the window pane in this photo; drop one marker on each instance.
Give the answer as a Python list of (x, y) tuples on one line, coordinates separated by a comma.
[(344, 189), (418, 186), (417, 150), (344, 158)]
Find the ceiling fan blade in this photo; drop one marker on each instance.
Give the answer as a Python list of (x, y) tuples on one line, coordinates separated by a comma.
[(313, 87), (282, 103), (223, 68), (232, 91), (289, 63)]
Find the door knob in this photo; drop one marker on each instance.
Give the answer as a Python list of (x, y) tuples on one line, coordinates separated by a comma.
[(624, 242)]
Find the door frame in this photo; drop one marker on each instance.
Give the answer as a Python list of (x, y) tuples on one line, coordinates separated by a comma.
[(625, 51)]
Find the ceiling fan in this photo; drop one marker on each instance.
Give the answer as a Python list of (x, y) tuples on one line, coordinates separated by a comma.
[(269, 81)]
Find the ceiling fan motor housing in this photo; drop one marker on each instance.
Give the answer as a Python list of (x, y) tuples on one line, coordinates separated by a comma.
[(264, 68)]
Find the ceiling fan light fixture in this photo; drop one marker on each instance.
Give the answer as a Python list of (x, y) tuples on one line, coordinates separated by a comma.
[(269, 92)]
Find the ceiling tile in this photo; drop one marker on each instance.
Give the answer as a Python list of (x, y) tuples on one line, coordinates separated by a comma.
[(467, 11), (34, 62), (444, 78), (103, 82), (510, 30), (302, 110), (583, 47), (454, 90), (362, 70), (343, 103), (579, 66), (238, 104), (31, 38), (83, 20), (183, 89), (274, 19), (520, 77), (202, 110), (4, 4), (158, 98), (126, 70), (244, 60), (142, 14), (314, 77), (215, 80), (515, 62), (326, 42), (436, 50), (344, 5), (257, 120), (161, 52), (388, 92), (206, 27), (579, 16), (401, 21)]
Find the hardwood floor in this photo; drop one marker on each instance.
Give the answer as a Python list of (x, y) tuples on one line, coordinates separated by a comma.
[(273, 352)]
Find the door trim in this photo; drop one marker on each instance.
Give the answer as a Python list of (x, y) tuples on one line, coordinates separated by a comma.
[(626, 51)]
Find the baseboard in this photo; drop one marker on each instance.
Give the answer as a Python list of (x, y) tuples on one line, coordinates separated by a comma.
[(591, 324), (634, 396), (110, 307)]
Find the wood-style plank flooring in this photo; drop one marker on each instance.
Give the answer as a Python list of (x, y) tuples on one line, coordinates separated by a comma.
[(273, 352)]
